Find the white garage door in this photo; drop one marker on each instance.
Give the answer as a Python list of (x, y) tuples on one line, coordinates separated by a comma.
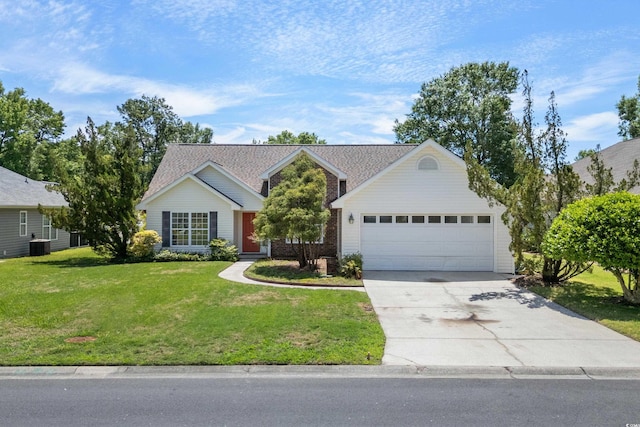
[(427, 242)]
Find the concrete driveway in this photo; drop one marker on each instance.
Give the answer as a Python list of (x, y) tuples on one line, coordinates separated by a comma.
[(481, 319)]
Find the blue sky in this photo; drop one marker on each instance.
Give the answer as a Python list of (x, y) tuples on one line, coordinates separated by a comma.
[(342, 69)]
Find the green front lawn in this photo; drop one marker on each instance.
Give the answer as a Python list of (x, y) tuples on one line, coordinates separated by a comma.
[(73, 308), (596, 296)]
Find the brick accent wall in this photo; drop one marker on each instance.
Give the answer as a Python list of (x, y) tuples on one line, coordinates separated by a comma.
[(280, 249)]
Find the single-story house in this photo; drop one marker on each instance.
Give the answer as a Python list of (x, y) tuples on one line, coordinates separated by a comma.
[(619, 157), (20, 221), (403, 207)]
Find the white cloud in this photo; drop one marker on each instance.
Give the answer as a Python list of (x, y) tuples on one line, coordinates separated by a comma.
[(78, 79), (375, 113), (596, 127), (594, 79), (234, 136), (350, 138)]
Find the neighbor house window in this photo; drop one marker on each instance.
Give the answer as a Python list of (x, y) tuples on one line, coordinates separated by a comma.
[(402, 219), (23, 223), (189, 229), (484, 219), (450, 219), (417, 219), (369, 219), (386, 219), (466, 219), (48, 232), (435, 219)]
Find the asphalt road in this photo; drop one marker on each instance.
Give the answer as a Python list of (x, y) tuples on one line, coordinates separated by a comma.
[(306, 401)]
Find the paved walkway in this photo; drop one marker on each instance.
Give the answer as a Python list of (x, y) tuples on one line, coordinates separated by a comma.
[(481, 319), (235, 273)]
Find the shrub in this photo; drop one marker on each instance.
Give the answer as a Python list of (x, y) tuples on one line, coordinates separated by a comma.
[(530, 265), (351, 265), (166, 255), (142, 244), (222, 250)]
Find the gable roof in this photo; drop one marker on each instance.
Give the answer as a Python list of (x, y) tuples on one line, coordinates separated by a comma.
[(249, 162), (18, 191), (190, 177), (419, 151), (619, 157), (294, 155)]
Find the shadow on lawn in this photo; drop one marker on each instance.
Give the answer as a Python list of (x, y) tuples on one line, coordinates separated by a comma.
[(595, 302), (73, 262)]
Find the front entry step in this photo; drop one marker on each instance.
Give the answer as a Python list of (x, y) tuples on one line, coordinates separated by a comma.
[(251, 256)]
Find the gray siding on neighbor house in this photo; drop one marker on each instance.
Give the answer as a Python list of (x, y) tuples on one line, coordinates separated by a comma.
[(13, 245)]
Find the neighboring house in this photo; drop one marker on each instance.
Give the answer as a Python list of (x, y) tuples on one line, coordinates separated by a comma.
[(20, 221), (619, 157), (404, 207)]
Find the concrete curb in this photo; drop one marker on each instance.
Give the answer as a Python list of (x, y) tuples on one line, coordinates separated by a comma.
[(315, 371)]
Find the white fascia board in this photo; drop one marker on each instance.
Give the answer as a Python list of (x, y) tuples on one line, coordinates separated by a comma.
[(418, 151), (291, 157)]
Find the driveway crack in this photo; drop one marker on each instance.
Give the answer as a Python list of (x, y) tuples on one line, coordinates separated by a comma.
[(474, 318)]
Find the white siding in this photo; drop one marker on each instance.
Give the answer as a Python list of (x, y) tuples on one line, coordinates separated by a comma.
[(247, 199), (189, 196), (407, 190)]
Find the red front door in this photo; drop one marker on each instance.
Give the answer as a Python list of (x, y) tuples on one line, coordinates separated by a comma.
[(248, 245)]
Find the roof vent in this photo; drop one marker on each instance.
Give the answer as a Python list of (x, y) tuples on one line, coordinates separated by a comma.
[(428, 163)]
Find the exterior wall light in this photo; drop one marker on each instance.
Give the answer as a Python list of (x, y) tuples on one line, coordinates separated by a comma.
[(351, 218)]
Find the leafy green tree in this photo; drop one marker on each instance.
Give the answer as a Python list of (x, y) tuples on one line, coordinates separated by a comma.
[(603, 181), (603, 229), (562, 187), (194, 134), (295, 210), (287, 137), (545, 184), (469, 106), (29, 130), (103, 192), (156, 125), (583, 154), (629, 114)]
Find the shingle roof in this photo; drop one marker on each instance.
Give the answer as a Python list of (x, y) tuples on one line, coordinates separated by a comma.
[(619, 157), (19, 191), (248, 162)]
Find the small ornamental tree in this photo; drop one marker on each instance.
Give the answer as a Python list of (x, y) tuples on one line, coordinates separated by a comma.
[(294, 210), (603, 229), (103, 192)]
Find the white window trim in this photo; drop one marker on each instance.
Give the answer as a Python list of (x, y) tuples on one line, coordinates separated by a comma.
[(189, 230), (25, 224), (51, 232)]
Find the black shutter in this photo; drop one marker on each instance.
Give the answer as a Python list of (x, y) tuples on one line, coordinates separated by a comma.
[(213, 225), (166, 229)]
